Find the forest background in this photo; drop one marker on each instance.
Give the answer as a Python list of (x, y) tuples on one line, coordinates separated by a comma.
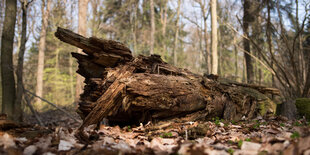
[(262, 42)]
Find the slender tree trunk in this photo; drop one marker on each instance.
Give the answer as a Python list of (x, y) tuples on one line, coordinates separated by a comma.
[(94, 4), (2, 7), (1, 26), (45, 16), (81, 31), (71, 60), (208, 59), (7, 72), (246, 42), (214, 42), (71, 78), (243, 71), (164, 26), (236, 58), (268, 34), (306, 90), (56, 86), (133, 21), (175, 59), (219, 66), (152, 27), (20, 65)]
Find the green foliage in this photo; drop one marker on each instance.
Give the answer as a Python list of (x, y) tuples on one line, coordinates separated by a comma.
[(231, 151), (248, 139), (256, 125), (166, 135), (240, 142), (295, 135), (297, 123), (129, 129)]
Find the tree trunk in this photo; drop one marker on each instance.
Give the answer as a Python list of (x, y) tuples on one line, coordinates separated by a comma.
[(42, 46), (152, 27), (214, 68), (130, 90), (207, 53), (246, 42), (236, 59), (268, 34), (7, 72), (175, 58), (20, 65), (82, 30), (306, 90), (2, 8), (164, 22)]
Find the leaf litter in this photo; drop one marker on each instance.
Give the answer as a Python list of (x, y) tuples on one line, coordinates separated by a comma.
[(272, 135)]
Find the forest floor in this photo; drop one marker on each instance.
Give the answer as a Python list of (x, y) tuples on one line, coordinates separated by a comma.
[(273, 135)]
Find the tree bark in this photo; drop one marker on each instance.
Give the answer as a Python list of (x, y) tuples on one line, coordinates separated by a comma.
[(7, 71), (42, 46), (246, 41), (81, 30), (175, 58), (152, 27), (214, 41)]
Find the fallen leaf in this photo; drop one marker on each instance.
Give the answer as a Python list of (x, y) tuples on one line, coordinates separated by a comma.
[(64, 145), (250, 146)]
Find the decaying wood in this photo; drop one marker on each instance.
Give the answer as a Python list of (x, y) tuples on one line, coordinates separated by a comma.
[(129, 90)]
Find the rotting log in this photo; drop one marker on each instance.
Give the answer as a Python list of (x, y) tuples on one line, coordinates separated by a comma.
[(129, 90)]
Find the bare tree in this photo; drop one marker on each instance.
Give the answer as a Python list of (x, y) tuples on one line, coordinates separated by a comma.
[(214, 41), (163, 20), (246, 43), (20, 64), (81, 31), (205, 14), (7, 73), (45, 15), (175, 59)]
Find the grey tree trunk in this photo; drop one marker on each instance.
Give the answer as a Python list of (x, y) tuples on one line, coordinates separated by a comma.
[(81, 31), (164, 23), (152, 27), (268, 34), (175, 58), (20, 64), (1, 26), (207, 54), (236, 59), (214, 41), (246, 42), (7, 72), (45, 15)]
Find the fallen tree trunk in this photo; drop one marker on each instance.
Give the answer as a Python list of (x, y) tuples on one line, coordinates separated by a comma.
[(129, 90)]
